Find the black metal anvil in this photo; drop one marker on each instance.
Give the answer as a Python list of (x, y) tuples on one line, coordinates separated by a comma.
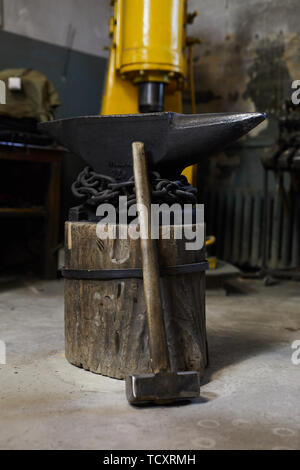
[(172, 141)]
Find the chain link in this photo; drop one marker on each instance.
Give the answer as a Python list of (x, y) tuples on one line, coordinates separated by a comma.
[(93, 189)]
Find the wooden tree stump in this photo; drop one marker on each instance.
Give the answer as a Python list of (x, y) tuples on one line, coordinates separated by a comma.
[(105, 321)]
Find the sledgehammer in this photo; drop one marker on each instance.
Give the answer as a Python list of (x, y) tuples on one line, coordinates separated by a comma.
[(163, 385)]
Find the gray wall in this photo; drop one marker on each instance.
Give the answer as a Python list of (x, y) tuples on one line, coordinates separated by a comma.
[(249, 53), (37, 34), (49, 20), (80, 90), (78, 77), (247, 60)]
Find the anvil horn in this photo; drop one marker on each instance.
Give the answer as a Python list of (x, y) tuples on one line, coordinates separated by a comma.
[(173, 141)]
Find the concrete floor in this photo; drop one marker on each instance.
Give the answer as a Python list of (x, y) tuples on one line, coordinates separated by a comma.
[(250, 396)]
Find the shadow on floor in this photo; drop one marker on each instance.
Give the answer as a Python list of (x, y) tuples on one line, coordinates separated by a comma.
[(229, 349), (8, 283)]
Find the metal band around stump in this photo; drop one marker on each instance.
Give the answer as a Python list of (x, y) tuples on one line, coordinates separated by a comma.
[(106, 274)]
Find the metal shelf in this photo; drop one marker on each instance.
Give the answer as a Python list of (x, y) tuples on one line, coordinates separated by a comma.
[(22, 212)]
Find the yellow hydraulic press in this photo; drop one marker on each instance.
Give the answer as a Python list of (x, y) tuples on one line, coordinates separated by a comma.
[(147, 68)]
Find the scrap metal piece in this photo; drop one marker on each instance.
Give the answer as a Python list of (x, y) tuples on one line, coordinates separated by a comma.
[(173, 141)]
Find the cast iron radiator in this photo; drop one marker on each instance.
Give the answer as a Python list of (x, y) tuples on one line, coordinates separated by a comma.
[(235, 217)]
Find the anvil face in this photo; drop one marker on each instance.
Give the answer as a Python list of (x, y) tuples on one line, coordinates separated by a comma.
[(172, 141)]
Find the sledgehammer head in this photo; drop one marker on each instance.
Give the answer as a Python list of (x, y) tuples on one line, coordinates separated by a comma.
[(162, 388)]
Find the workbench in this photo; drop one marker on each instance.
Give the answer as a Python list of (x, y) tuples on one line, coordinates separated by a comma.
[(49, 208)]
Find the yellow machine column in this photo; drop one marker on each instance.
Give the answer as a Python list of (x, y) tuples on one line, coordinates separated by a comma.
[(147, 65)]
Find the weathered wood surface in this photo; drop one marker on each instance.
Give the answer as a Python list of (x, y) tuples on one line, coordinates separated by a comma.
[(105, 321)]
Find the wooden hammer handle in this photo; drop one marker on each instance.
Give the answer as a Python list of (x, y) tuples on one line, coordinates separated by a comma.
[(159, 356)]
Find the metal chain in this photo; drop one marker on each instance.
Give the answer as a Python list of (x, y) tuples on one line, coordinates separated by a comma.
[(93, 189)]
